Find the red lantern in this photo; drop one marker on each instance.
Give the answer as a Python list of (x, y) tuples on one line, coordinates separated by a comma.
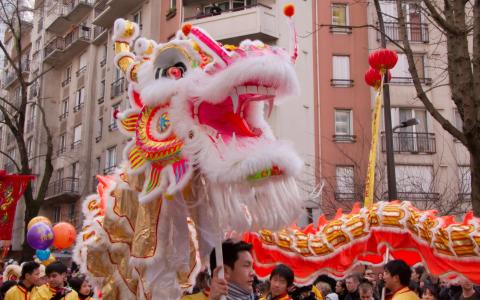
[(374, 78), (383, 59)]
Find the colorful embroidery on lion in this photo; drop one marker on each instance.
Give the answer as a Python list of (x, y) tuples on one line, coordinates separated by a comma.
[(446, 248), (202, 160)]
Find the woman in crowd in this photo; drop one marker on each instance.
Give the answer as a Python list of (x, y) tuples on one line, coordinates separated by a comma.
[(82, 287)]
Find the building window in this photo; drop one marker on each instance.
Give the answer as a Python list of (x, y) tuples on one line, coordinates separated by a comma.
[(465, 181), (173, 4), (82, 67), (76, 170), (79, 99), (68, 76), (60, 174), (64, 109), (62, 144), (56, 214), (401, 74), (343, 125), (341, 71), (98, 162), (110, 160), (340, 18), (99, 129), (345, 184), (414, 139), (101, 92), (30, 147), (137, 18), (415, 183), (77, 136), (113, 121)]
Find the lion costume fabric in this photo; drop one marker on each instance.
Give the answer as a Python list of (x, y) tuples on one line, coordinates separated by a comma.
[(202, 160)]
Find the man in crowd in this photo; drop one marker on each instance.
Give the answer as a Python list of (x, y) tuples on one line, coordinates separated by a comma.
[(55, 289), (365, 291), (281, 279), (239, 275), (468, 292), (28, 280), (352, 281), (397, 278)]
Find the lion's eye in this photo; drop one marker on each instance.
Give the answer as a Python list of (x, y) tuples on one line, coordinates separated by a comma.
[(158, 73)]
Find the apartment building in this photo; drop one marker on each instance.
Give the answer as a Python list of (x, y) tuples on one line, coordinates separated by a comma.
[(432, 168), (343, 114), (80, 91)]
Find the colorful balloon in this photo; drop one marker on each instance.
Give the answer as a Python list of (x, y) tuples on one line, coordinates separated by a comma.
[(65, 235), (40, 236), (39, 219), (43, 254)]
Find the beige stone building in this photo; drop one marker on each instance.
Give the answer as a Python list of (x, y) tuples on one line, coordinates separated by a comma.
[(432, 168)]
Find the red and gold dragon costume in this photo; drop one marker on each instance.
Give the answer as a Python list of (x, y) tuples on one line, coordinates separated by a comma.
[(445, 247), (202, 160)]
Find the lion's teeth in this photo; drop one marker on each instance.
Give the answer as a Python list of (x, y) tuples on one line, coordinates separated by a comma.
[(234, 97), (252, 89)]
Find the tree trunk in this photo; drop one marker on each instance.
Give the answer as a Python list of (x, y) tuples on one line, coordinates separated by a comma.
[(475, 173)]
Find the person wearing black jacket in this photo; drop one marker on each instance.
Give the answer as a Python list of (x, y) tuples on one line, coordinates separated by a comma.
[(352, 281)]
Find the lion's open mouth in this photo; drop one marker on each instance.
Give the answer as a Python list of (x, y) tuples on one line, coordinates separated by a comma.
[(231, 119)]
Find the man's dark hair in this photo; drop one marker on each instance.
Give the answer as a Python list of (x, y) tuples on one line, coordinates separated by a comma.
[(433, 288), (400, 268), (28, 268), (230, 251), (6, 286), (419, 270), (284, 272), (56, 267), (365, 287)]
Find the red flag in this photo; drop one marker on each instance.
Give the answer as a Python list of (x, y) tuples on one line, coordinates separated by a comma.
[(12, 188)]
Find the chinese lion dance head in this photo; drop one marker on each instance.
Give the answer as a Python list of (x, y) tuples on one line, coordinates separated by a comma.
[(202, 161)]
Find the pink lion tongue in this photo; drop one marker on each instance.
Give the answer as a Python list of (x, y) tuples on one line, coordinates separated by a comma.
[(240, 125)]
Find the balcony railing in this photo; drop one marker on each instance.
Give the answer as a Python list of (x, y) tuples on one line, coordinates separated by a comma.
[(78, 107), (417, 32), (118, 87), (63, 116), (100, 7), (341, 82), (409, 80), (64, 185), (210, 14), (112, 127), (418, 196), (342, 196), (61, 150), (81, 71), (76, 144), (413, 142), (12, 76), (66, 81), (61, 49), (465, 197), (109, 170), (344, 138), (99, 34)]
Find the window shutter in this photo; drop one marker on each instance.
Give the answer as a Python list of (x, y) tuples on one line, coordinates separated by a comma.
[(341, 67)]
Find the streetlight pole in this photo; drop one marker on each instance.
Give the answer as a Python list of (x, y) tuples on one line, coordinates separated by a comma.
[(392, 183)]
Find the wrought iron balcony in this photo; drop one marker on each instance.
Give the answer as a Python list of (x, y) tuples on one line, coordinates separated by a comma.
[(341, 82), (62, 16), (418, 196), (409, 80), (107, 11), (61, 151), (99, 34), (109, 170), (12, 76), (76, 144), (59, 50), (64, 189), (413, 142), (347, 197), (416, 32), (118, 87)]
